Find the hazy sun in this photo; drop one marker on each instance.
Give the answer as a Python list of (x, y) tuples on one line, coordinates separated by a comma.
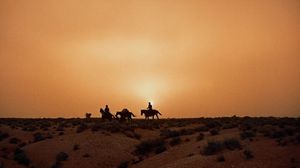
[(151, 90)]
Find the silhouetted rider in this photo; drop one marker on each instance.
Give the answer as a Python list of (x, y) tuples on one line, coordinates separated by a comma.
[(149, 106), (106, 110)]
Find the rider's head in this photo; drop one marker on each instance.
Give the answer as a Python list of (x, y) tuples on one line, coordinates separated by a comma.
[(106, 106), (149, 103)]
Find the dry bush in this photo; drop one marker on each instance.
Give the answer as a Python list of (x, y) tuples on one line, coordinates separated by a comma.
[(248, 154), (167, 133), (175, 141), (200, 136), (76, 147), (221, 158), (61, 156), (213, 147), (14, 140), (3, 135), (38, 137), (21, 157), (247, 134), (82, 127), (214, 132), (123, 164), (232, 144), (201, 129), (148, 146)]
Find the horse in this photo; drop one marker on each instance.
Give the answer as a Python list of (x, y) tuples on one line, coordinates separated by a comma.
[(106, 115), (124, 114), (149, 113)]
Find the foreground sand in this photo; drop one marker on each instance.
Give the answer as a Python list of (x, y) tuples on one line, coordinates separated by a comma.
[(96, 143)]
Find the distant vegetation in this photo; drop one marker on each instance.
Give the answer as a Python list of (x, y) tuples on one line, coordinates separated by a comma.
[(171, 133)]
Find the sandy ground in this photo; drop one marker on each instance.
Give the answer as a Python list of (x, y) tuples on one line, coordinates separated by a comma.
[(107, 149)]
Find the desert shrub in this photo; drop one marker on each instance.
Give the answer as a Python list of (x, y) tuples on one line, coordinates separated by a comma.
[(221, 158), (82, 127), (22, 144), (212, 124), (75, 147), (148, 146), (20, 157), (289, 131), (29, 128), (278, 134), (186, 131), (49, 136), (160, 149), (214, 132), (166, 133), (200, 136), (61, 156), (229, 125), (266, 130), (14, 140), (75, 122), (60, 128), (96, 127), (281, 142), (175, 141), (150, 125), (191, 154), (248, 154), (187, 140), (123, 164), (114, 127), (38, 137), (137, 136), (3, 135), (201, 129), (248, 134), (86, 155), (132, 134), (232, 144), (56, 164), (212, 148)]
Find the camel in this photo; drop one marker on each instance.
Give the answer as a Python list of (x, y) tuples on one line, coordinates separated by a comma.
[(149, 113), (106, 115), (124, 114)]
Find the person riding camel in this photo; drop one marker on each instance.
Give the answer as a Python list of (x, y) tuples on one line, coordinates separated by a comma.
[(149, 106)]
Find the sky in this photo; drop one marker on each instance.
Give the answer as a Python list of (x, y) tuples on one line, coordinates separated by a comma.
[(194, 58)]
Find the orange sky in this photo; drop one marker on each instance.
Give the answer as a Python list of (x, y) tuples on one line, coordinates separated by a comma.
[(192, 58)]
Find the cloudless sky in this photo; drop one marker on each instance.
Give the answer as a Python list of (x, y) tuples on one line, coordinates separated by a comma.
[(191, 58)]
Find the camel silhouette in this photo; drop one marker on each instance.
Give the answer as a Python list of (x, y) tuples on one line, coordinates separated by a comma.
[(149, 113)]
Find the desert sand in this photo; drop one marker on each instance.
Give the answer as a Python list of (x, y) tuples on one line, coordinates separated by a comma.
[(240, 142)]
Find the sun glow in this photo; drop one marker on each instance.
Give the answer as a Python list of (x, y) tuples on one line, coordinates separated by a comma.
[(150, 90)]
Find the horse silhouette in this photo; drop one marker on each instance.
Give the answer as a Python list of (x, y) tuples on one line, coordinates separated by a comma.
[(124, 114), (149, 113), (106, 115)]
